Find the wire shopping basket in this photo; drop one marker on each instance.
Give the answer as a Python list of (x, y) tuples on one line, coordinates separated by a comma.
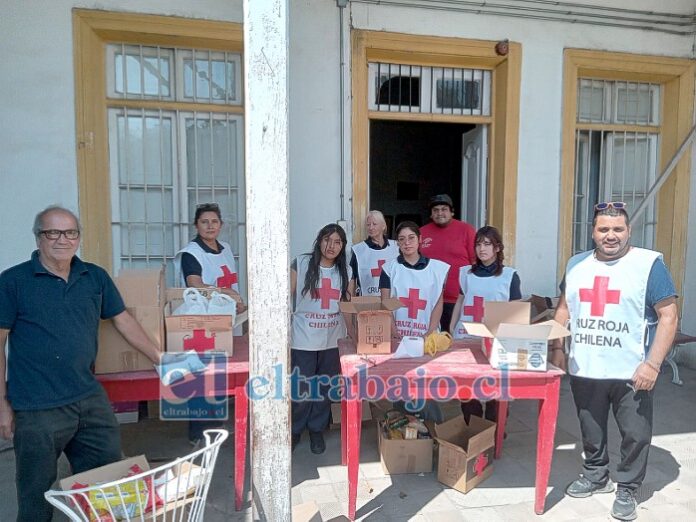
[(173, 492)]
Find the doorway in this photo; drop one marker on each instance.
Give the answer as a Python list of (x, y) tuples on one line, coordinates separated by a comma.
[(411, 161)]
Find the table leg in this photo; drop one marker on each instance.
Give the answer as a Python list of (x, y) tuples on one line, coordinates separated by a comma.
[(343, 431), (241, 410), (548, 415), (353, 425), (500, 428)]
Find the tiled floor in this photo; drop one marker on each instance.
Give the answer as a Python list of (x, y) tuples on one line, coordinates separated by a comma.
[(669, 492)]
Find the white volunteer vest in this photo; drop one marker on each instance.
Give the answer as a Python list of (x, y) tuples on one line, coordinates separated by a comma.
[(370, 262), (217, 269), (606, 301), (418, 291), (477, 290), (317, 324)]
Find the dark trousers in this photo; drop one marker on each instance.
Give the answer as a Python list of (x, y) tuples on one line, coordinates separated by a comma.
[(313, 414), (475, 407), (633, 412), (86, 431), (446, 317)]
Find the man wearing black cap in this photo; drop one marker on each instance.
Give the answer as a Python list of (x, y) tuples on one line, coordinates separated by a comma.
[(451, 241)]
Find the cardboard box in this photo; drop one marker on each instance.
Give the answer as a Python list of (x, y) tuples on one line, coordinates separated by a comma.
[(543, 308), (404, 456), (336, 414), (108, 473), (143, 293), (517, 344), (201, 333), (466, 452), (374, 321)]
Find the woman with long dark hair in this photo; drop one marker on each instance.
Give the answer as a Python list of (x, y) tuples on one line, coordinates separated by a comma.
[(371, 254), (318, 281), (486, 280)]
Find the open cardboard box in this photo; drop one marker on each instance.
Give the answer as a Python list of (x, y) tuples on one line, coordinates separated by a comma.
[(143, 293), (201, 333), (374, 321), (404, 456), (517, 344), (543, 308), (465, 453)]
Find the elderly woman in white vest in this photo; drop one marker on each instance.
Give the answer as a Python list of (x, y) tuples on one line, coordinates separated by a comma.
[(319, 280), (486, 280), (208, 262), (371, 254)]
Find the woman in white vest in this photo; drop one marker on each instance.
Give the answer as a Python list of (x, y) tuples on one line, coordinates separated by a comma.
[(371, 254), (486, 280), (417, 282), (319, 281), (207, 262)]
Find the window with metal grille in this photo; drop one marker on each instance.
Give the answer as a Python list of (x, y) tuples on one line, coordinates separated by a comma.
[(616, 154), (171, 153), (432, 90)]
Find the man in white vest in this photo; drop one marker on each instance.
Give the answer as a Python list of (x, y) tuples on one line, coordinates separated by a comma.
[(620, 302)]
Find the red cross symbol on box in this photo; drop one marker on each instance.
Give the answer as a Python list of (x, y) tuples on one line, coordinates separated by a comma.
[(227, 279), (199, 342), (327, 293), (413, 302), (475, 310), (377, 271), (481, 463), (599, 295)]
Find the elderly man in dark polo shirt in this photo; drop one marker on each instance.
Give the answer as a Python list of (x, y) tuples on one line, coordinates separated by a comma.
[(50, 307)]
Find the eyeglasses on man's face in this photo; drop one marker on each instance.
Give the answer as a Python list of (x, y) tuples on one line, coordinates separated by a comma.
[(53, 234), (618, 205), (407, 239)]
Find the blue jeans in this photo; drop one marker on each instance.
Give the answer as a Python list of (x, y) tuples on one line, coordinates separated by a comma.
[(86, 430)]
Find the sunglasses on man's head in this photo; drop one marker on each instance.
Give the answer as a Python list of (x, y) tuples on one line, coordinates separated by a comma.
[(618, 205)]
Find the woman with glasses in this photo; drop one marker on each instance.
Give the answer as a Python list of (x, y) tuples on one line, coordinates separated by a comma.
[(371, 254), (208, 262), (486, 280), (319, 280)]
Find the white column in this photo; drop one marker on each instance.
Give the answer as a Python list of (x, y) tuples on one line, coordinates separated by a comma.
[(266, 145)]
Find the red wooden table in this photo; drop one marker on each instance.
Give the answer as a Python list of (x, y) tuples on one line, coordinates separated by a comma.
[(145, 386), (467, 366)]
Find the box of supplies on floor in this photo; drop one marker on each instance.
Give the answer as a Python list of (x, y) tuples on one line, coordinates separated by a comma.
[(405, 444), (516, 344), (465, 453), (374, 321)]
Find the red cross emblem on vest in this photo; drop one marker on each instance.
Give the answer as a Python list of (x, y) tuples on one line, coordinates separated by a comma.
[(199, 341), (227, 279), (327, 293), (377, 271), (476, 309), (599, 296), (413, 302), (481, 463)]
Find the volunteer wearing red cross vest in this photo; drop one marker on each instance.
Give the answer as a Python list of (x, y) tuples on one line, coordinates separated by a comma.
[(206, 261), (620, 302), (450, 241), (418, 283), (318, 281), (371, 254), (486, 280)]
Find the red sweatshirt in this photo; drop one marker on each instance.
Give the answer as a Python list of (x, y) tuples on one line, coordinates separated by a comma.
[(453, 244)]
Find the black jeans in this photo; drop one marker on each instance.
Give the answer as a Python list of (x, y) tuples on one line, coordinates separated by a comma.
[(314, 414), (86, 430), (446, 317), (633, 412)]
